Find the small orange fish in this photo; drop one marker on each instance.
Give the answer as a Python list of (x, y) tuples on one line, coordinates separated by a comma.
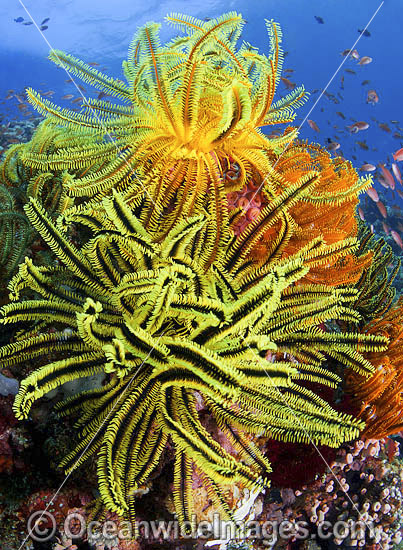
[(396, 172), (67, 96), (382, 209), (333, 146), (372, 97), (361, 213), (373, 194), (288, 84), (357, 126), (383, 126), (367, 168), (77, 100), (94, 64), (397, 238), (385, 228), (48, 94), (313, 125), (388, 176), (354, 54), (398, 155), (382, 181), (361, 125), (82, 88), (365, 60), (362, 145)]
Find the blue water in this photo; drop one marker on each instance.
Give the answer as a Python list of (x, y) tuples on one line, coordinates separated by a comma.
[(100, 31)]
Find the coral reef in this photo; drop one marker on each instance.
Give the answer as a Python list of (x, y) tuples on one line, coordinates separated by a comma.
[(363, 489)]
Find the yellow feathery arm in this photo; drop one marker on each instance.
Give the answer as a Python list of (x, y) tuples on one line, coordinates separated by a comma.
[(220, 468), (36, 346), (40, 310), (182, 494), (90, 75), (133, 410), (228, 22), (149, 38), (41, 280), (123, 218), (73, 157), (62, 116), (268, 216), (64, 249), (53, 375), (143, 463)]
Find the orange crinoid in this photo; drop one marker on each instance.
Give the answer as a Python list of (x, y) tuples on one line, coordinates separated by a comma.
[(380, 397)]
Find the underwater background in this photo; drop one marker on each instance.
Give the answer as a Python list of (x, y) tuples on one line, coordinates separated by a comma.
[(358, 116)]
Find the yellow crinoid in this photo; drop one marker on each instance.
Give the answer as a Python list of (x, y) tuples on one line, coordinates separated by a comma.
[(171, 332), (190, 129)]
